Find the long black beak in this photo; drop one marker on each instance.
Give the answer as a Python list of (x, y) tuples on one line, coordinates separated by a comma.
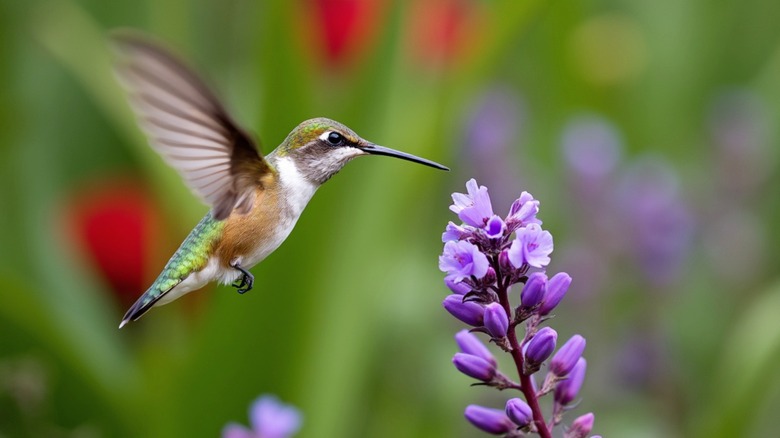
[(381, 150)]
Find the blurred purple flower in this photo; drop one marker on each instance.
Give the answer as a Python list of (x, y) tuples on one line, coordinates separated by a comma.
[(591, 148), (658, 221), (462, 259), (493, 130), (270, 418), (740, 129), (532, 245), (473, 208)]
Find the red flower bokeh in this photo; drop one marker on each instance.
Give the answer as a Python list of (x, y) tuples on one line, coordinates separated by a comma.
[(117, 226)]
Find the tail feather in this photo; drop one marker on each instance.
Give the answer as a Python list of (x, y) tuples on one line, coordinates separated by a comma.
[(143, 304)]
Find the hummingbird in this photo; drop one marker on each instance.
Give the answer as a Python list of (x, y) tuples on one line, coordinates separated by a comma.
[(255, 200)]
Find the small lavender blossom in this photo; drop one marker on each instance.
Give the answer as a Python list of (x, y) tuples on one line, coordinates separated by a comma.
[(496, 321), (581, 426), (556, 290), (469, 312), (489, 420), (533, 291), (540, 348), (495, 227), (567, 356), (270, 418), (567, 390), (462, 259), (523, 211), (454, 232), (474, 209), (519, 412), (470, 344), (532, 246), (474, 366)]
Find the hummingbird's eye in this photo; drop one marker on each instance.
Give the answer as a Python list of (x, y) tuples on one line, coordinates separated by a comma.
[(335, 139)]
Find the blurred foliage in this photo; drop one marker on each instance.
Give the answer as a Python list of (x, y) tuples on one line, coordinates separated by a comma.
[(345, 320)]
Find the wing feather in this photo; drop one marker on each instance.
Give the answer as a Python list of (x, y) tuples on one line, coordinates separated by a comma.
[(188, 126)]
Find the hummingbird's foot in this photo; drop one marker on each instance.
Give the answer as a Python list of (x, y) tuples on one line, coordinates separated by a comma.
[(246, 282)]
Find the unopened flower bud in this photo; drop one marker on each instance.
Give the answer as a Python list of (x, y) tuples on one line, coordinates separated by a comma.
[(518, 411), (567, 356), (474, 366), (496, 321), (503, 261), (566, 391), (468, 312), (489, 420), (581, 426), (533, 290), (470, 344), (556, 290), (490, 277), (539, 348)]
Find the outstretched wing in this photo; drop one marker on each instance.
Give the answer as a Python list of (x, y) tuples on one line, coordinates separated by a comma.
[(190, 128)]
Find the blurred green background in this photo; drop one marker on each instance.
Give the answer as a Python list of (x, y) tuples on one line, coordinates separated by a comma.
[(648, 130)]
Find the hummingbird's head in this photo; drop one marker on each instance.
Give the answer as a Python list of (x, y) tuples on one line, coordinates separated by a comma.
[(321, 147)]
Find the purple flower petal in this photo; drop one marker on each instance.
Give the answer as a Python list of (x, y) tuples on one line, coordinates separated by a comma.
[(518, 411), (495, 227), (233, 430), (533, 246), (475, 208), (271, 418), (566, 391), (567, 356), (523, 211), (462, 259), (474, 366)]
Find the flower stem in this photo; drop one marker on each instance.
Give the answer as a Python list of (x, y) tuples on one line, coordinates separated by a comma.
[(517, 354)]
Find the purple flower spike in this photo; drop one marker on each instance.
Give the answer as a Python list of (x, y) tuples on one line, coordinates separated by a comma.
[(533, 246), (519, 412), (581, 426), (462, 259), (470, 344), (469, 312), (540, 347), (460, 288), (556, 290), (495, 227), (496, 321), (270, 419), (533, 291), (567, 390), (474, 366), (489, 420), (523, 211), (567, 356), (473, 209)]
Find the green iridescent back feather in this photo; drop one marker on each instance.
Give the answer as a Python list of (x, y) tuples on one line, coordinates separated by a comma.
[(192, 256)]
